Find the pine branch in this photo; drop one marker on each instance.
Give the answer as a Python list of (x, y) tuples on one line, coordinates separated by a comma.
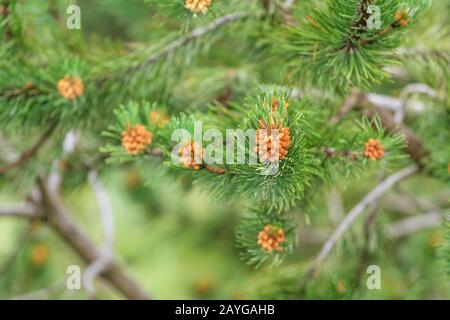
[(395, 230), (365, 102), (425, 53), (414, 147), (107, 218), (414, 224), (356, 212), (60, 220), (29, 153), (183, 41), (27, 211), (348, 154), (359, 25)]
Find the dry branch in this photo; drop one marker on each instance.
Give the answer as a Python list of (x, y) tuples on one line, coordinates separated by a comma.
[(356, 212), (61, 221), (29, 153)]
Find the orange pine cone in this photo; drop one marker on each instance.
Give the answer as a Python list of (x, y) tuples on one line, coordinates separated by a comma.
[(197, 6), (270, 238), (39, 254), (373, 149), (188, 156), (136, 139), (272, 145), (340, 286), (70, 87), (402, 17)]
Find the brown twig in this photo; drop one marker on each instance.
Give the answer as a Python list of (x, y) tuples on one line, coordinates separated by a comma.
[(27, 90), (61, 221), (348, 154), (27, 211), (30, 152), (394, 25), (356, 212), (107, 218), (358, 26), (410, 225)]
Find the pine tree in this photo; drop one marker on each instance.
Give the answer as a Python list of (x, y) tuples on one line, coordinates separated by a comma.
[(325, 98)]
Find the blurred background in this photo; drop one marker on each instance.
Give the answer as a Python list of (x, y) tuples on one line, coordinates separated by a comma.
[(179, 245)]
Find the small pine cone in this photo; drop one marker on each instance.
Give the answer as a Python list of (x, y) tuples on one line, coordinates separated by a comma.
[(270, 238), (373, 149), (70, 87), (136, 139), (39, 254), (197, 6), (159, 119), (402, 17), (188, 156), (271, 146), (340, 286)]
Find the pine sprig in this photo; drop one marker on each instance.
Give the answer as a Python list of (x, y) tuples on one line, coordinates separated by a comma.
[(251, 230), (281, 184), (334, 49)]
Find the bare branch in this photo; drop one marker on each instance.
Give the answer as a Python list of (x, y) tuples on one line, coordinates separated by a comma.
[(335, 206), (357, 211), (414, 146), (29, 153), (185, 40), (288, 4), (43, 294), (7, 152), (107, 217), (411, 225), (70, 142), (308, 236), (61, 221), (26, 210)]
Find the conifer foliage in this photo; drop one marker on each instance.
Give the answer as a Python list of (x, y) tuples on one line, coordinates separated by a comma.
[(263, 103)]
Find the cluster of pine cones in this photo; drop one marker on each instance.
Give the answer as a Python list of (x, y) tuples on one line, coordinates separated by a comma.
[(270, 238), (70, 87), (272, 140), (373, 149), (136, 139), (197, 6)]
